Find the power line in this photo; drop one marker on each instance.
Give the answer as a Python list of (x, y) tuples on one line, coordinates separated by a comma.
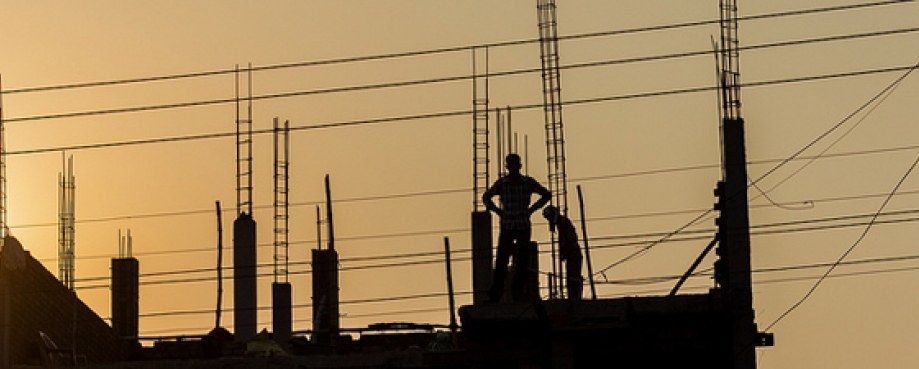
[(842, 257), (623, 241), (448, 114), (820, 137), (443, 79), (661, 279), (446, 49), (462, 190)]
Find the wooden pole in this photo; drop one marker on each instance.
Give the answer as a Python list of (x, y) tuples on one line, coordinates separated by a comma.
[(590, 268)]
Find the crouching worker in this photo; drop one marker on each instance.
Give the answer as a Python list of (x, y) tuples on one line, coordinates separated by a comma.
[(568, 249)]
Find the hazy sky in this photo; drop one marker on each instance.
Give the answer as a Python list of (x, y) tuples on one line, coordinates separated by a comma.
[(647, 165)]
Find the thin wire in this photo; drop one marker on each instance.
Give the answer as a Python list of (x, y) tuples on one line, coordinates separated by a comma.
[(442, 79), (786, 161), (849, 250), (447, 114), (706, 273), (446, 49), (463, 190), (822, 152), (883, 92)]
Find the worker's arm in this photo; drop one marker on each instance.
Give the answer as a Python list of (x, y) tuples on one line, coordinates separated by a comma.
[(544, 198), (487, 199)]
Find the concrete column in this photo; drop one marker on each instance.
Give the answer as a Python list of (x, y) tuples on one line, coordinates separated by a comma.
[(482, 256), (245, 298), (281, 314), (325, 297), (125, 297)]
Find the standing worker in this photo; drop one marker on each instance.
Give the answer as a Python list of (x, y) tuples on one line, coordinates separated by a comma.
[(568, 249), (515, 191)]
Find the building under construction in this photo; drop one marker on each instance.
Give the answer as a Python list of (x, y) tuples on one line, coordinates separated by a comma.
[(716, 329)]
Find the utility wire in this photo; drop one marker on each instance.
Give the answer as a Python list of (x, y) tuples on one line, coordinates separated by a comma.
[(622, 241), (798, 267), (209, 212), (883, 93), (446, 49), (440, 80), (447, 114), (849, 250)]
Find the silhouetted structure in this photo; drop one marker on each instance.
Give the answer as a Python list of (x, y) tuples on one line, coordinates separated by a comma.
[(126, 292), (481, 218), (245, 303), (326, 323), (67, 224), (281, 300), (42, 322), (245, 297)]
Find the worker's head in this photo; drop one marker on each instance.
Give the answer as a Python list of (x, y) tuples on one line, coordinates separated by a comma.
[(512, 162), (551, 214)]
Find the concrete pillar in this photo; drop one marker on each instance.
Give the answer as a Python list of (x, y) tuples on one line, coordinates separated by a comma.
[(125, 297), (326, 323), (482, 256), (281, 314), (245, 298)]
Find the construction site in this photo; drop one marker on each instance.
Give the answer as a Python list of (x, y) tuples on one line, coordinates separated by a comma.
[(284, 304)]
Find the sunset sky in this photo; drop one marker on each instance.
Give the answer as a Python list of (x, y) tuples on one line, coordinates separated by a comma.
[(642, 142)]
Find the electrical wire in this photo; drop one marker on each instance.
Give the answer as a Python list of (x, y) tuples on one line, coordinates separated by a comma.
[(448, 114), (440, 80), (849, 250), (633, 281), (621, 241), (870, 102), (446, 49)]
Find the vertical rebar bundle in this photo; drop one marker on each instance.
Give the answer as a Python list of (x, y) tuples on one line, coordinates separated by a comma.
[(281, 203), (552, 108), (244, 148), (66, 224), (480, 160), (730, 61), (4, 225)]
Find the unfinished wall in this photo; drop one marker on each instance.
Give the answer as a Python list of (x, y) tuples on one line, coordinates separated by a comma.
[(33, 300)]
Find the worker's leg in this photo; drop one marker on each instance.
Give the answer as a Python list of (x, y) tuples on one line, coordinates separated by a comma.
[(521, 274), (575, 281), (505, 246)]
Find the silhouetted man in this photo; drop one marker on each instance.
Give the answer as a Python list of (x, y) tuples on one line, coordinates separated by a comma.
[(568, 249), (515, 191)]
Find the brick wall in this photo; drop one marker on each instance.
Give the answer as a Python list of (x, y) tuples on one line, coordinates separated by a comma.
[(32, 300)]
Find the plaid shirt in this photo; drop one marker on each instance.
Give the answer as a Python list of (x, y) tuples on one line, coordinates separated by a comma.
[(515, 200)]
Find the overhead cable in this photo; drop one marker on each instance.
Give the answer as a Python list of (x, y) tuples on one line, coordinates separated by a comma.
[(448, 49)]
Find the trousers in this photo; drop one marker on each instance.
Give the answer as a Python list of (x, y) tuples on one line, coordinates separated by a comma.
[(511, 242)]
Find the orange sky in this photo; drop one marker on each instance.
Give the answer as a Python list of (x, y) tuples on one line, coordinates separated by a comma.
[(627, 154)]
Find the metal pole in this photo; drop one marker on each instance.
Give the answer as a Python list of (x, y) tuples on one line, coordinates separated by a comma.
[(219, 264), (590, 269), (328, 206), (318, 228), (453, 325), (693, 267)]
